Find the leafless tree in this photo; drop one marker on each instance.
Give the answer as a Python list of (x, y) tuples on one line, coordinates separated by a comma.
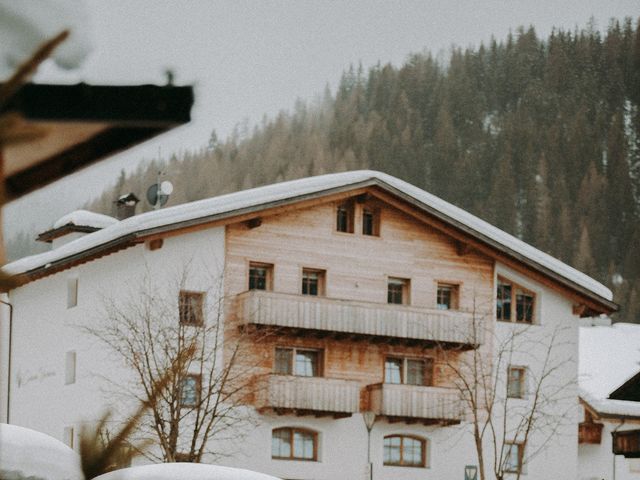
[(504, 419), (207, 400)]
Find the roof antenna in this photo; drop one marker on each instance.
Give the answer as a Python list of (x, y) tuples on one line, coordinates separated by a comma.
[(158, 193)]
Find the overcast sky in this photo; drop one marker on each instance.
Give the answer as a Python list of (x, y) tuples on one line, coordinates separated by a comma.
[(251, 58)]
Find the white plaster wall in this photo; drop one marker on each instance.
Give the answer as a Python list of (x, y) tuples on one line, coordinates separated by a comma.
[(557, 458), (596, 462), (45, 329), (342, 450)]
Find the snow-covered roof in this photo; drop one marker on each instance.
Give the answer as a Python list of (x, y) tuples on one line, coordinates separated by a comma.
[(25, 453), (84, 218), (279, 193), (190, 471), (609, 356)]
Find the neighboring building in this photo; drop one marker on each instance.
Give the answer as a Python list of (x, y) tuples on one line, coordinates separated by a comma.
[(373, 287), (608, 379)]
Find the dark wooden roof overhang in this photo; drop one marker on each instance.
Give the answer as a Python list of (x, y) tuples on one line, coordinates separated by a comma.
[(55, 130), (629, 390), (593, 303), (51, 235)]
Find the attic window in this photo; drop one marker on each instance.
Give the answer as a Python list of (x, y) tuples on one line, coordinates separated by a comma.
[(371, 222), (514, 303), (344, 217)]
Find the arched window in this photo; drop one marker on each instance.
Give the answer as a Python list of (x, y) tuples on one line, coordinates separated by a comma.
[(405, 450), (294, 444)]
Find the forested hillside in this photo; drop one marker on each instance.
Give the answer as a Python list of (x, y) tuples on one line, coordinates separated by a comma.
[(540, 137)]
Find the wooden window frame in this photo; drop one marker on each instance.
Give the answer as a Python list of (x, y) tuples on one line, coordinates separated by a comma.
[(269, 275), (522, 382), (402, 463), (322, 280), (454, 288), (292, 431), (375, 221), (185, 311), (349, 209), (198, 378), (292, 366), (519, 467), (428, 374), (513, 309), (405, 293)]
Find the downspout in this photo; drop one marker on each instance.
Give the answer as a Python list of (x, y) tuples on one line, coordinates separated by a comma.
[(9, 359), (614, 455)]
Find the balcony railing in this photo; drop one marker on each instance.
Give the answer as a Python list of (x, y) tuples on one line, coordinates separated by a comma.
[(313, 395), (302, 312), (416, 403)]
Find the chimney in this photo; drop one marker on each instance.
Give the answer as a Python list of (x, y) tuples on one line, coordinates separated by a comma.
[(126, 206)]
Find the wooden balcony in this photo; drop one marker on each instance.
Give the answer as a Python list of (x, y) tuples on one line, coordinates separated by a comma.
[(321, 316), (627, 443), (415, 404), (317, 396), (590, 433)]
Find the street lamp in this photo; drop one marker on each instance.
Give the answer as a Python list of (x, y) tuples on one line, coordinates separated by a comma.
[(369, 419)]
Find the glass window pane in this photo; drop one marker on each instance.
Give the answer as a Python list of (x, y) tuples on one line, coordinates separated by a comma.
[(303, 445), (281, 443), (393, 370), (258, 278), (503, 301), (444, 297), (524, 306), (411, 451), (391, 452), (511, 458), (310, 282), (515, 385), (306, 363), (189, 391), (415, 372), (284, 357)]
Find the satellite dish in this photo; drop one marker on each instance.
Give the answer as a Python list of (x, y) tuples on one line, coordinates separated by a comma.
[(158, 197), (166, 187)]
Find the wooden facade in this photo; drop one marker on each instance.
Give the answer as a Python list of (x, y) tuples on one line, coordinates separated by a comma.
[(351, 323)]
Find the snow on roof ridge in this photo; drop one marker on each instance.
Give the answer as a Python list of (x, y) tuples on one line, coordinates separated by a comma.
[(608, 406), (85, 218), (292, 188)]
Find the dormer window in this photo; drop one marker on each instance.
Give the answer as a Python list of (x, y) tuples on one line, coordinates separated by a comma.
[(345, 213)]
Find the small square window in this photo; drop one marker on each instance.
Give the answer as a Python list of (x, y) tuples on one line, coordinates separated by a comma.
[(398, 291), (70, 368), (516, 382), (370, 222), (447, 297), (512, 455), (313, 282), (191, 308), (68, 437), (72, 292), (344, 217), (190, 391), (260, 276)]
